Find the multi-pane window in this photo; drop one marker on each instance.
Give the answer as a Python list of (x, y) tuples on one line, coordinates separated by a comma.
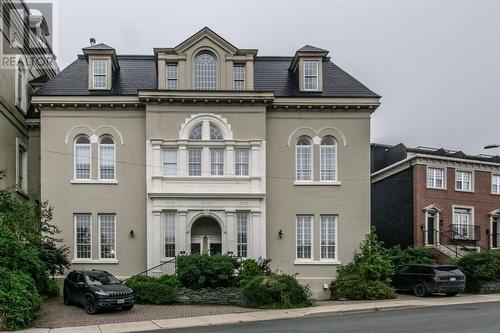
[(463, 180), (205, 72), (194, 162), (328, 236), (241, 162), (311, 75), (107, 158), (217, 162), (83, 236), (196, 133), (328, 155), (242, 235), (435, 177), (170, 162), (462, 221), (82, 157), (22, 170), (107, 236), (239, 77), (172, 76), (495, 184), (169, 230), (100, 70), (215, 133), (303, 159), (304, 236)]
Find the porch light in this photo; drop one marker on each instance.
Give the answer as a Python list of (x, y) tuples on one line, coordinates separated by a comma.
[(132, 234)]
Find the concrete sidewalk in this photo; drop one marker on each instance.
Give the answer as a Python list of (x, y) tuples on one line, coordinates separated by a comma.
[(324, 308)]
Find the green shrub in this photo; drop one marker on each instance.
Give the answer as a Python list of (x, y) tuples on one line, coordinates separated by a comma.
[(478, 268), (249, 269), (352, 285), (197, 271), (20, 300), (151, 290), (411, 255), (276, 291)]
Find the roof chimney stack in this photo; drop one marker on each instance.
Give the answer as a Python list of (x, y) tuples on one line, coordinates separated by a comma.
[(92, 41)]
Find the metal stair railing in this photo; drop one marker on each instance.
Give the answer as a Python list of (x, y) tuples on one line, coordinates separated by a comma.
[(169, 261)]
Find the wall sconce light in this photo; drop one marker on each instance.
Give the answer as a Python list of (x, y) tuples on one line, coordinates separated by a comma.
[(280, 234), (229, 253), (182, 253), (132, 234)]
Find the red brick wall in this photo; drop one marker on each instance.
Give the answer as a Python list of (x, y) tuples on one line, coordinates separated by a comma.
[(481, 199)]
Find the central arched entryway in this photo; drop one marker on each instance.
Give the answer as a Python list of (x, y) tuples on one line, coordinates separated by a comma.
[(206, 236)]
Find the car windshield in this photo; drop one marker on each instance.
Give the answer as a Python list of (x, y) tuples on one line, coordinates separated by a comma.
[(447, 270), (100, 278)]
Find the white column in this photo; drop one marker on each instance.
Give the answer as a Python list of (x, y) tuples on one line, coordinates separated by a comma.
[(182, 165), (255, 160), (231, 244), (205, 130), (157, 247), (255, 235), (229, 162), (182, 234), (205, 162), (157, 166)]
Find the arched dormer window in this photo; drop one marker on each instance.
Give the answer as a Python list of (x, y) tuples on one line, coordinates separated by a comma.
[(205, 71), (196, 132), (328, 159), (303, 159), (107, 158), (215, 133), (82, 158)]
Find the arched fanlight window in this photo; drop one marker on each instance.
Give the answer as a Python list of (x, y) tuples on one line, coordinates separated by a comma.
[(215, 133), (328, 159), (205, 71), (82, 157), (107, 160), (196, 133), (303, 159)]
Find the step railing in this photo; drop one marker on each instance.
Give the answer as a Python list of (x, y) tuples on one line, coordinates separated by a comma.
[(167, 267)]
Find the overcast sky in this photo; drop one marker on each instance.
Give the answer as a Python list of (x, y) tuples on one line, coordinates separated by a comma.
[(436, 63)]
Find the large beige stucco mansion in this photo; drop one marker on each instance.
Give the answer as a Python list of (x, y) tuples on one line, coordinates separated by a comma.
[(207, 147)]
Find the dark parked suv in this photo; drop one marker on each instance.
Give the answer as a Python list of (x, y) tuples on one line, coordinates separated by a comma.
[(97, 290), (428, 279)]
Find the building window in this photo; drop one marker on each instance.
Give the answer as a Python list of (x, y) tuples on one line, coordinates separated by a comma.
[(170, 162), (194, 162), (303, 161), (215, 133), (239, 76), (21, 86), (172, 76), (463, 180), (196, 133), (169, 227), (435, 178), (311, 75), (100, 71), (328, 236), (217, 162), (107, 159), (328, 156), (495, 184), (205, 72), (304, 237), (83, 236), (462, 223), (82, 157), (107, 236), (241, 162), (22, 168), (242, 235)]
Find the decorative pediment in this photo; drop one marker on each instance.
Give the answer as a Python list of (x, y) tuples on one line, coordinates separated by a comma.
[(433, 207), (495, 212), (206, 33)]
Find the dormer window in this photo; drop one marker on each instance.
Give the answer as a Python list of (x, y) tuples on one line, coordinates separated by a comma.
[(100, 73), (239, 77), (205, 72), (172, 76), (311, 75)]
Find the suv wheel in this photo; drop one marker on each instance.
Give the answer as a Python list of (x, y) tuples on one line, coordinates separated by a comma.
[(419, 290), (90, 305), (66, 297)]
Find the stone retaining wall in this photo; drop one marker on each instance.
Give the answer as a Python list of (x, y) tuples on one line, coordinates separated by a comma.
[(217, 296)]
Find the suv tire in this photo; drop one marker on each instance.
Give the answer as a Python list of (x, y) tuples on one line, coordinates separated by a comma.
[(90, 305), (419, 290)]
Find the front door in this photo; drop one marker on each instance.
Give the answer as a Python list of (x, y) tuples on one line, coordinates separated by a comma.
[(495, 232), (430, 227)]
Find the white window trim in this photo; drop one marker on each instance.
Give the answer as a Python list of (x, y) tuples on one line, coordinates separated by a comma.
[(22, 104), (82, 180), (105, 75), (171, 79), (492, 217), (311, 147), (491, 183), (436, 226), (244, 76), (99, 161), (176, 161), (471, 180), (445, 177), (301, 260), (336, 259), (249, 152), (163, 216), (99, 238), (336, 166), (201, 162), (472, 213), (317, 75), (24, 186), (223, 161), (75, 252)]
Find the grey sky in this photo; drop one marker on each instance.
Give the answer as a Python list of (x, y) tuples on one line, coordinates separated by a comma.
[(436, 63)]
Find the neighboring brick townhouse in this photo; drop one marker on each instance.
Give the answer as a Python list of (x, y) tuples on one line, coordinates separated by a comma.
[(439, 198)]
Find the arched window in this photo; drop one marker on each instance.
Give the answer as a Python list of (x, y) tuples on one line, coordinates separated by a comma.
[(328, 159), (205, 71), (82, 157), (215, 133), (196, 133), (303, 159), (107, 158)]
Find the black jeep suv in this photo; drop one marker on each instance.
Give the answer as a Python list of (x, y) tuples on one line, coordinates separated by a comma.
[(97, 290)]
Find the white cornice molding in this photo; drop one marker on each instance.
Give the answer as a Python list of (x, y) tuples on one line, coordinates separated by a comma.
[(85, 101), (208, 195)]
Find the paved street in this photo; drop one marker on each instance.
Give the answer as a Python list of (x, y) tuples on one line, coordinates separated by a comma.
[(478, 317)]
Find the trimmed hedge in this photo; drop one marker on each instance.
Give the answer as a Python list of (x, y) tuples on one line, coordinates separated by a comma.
[(151, 290), (479, 268), (197, 271), (353, 286)]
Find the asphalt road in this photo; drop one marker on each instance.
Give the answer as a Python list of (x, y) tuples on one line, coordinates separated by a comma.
[(477, 318)]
